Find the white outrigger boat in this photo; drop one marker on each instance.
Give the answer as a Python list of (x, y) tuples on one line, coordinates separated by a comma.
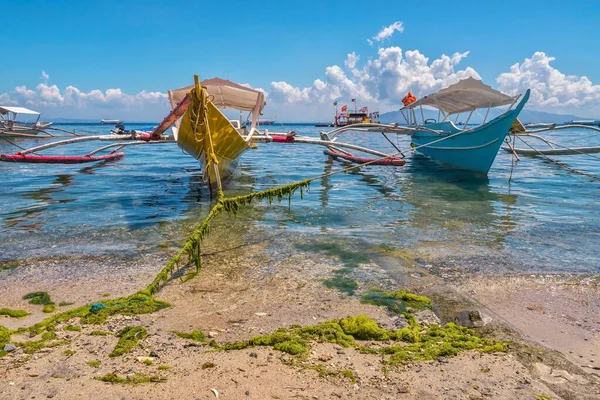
[(10, 127)]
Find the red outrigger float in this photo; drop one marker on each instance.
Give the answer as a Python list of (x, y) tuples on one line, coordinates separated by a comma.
[(26, 158)]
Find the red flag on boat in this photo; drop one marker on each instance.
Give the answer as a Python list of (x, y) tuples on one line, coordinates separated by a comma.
[(344, 108)]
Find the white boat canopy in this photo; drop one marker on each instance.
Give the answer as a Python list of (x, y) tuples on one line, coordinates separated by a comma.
[(17, 110), (466, 95), (225, 94)]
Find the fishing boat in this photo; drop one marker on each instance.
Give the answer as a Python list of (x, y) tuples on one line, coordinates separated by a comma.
[(205, 133), (202, 130), (11, 127), (110, 121), (345, 117), (470, 147)]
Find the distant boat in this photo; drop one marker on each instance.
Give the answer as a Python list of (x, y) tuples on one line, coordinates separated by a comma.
[(589, 122), (9, 126), (358, 116), (110, 121), (263, 122), (539, 125)]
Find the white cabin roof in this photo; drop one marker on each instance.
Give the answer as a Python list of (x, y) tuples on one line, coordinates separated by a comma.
[(17, 110), (226, 94), (466, 95)]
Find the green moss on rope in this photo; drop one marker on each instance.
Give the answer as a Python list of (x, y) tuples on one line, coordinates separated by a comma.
[(13, 313), (129, 338), (191, 248)]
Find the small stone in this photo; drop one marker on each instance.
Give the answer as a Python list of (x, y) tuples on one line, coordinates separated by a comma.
[(8, 347), (260, 314), (213, 334), (472, 319), (145, 359), (33, 374), (253, 355), (153, 354)]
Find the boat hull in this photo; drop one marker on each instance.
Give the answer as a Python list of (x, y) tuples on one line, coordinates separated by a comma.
[(227, 143), (472, 149)]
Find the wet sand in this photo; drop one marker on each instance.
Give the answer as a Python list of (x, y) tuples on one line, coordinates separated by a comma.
[(247, 288)]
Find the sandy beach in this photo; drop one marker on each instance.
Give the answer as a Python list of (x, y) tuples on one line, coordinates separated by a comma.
[(245, 290)]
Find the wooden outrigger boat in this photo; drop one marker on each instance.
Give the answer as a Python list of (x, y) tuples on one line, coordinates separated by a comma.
[(10, 127), (204, 132), (470, 148)]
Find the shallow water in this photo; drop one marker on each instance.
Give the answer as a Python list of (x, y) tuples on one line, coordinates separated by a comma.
[(534, 215)]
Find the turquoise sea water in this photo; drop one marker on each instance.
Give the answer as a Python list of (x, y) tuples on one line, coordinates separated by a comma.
[(534, 215)]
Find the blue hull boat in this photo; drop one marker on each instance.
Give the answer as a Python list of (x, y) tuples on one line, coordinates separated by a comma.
[(473, 149)]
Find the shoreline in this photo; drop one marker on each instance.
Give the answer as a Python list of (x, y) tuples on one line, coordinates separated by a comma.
[(251, 289)]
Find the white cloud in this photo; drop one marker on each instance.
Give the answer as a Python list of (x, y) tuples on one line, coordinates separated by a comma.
[(550, 88), (46, 95), (351, 60), (45, 76), (387, 32), (385, 79)]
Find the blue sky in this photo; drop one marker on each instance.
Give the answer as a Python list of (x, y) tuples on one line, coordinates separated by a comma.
[(151, 46)]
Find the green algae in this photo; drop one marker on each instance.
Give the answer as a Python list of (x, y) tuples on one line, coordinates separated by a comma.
[(33, 346), (100, 333), (148, 362), (69, 352), (132, 305), (65, 303), (412, 344), (13, 313), (8, 266), (324, 372), (164, 367), (4, 339), (362, 327), (134, 379), (41, 298), (72, 328), (197, 336), (398, 302), (350, 259), (208, 364), (343, 284), (129, 338), (49, 308), (94, 363)]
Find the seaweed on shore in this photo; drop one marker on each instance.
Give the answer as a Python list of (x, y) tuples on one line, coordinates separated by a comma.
[(197, 336), (13, 313), (413, 343), (129, 338), (41, 298), (398, 302), (134, 379)]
